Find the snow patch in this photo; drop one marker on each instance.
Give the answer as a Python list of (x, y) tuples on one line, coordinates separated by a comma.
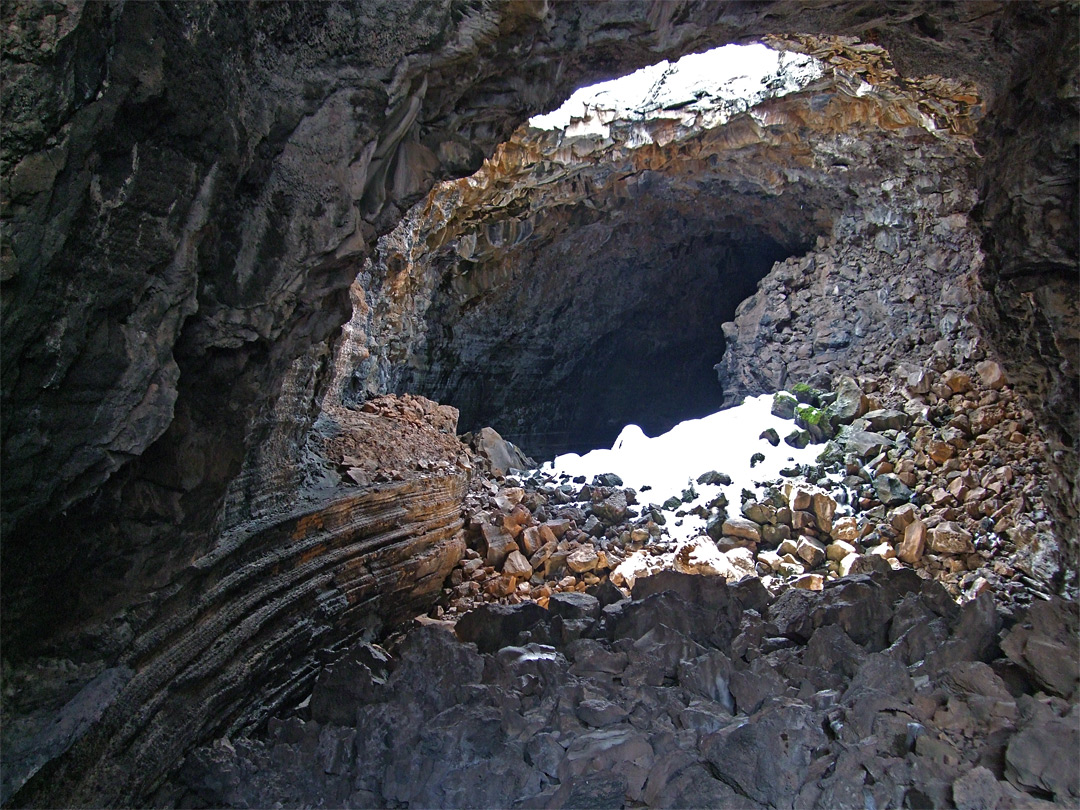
[(671, 463)]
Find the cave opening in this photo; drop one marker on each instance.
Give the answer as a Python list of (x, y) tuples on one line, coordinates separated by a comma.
[(584, 287), (630, 335)]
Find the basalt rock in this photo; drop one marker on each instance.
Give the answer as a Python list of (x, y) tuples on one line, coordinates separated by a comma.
[(661, 714), (190, 190)]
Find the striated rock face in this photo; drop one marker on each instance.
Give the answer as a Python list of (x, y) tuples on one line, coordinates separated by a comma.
[(241, 631)]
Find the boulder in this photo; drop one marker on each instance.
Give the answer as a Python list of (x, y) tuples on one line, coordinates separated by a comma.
[(991, 374), (582, 559), (913, 545), (501, 454), (611, 510), (957, 381), (492, 626), (499, 543), (783, 405), (1035, 760), (890, 490), (950, 538), (845, 528), (850, 403), (811, 550), (574, 605), (742, 527), (864, 443), (824, 508), (797, 439), (1046, 644), (814, 421), (886, 419), (517, 565)]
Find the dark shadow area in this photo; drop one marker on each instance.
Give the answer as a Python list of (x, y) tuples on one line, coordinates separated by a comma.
[(612, 322)]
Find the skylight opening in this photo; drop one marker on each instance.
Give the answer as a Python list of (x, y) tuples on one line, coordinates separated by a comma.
[(719, 83)]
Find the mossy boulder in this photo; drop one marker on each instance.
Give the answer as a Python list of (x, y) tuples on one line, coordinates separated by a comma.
[(797, 438), (783, 405), (807, 394), (814, 421)]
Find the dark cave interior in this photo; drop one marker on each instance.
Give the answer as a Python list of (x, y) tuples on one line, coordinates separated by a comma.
[(611, 322)]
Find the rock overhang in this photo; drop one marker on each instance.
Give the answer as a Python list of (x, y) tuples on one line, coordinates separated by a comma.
[(602, 259)]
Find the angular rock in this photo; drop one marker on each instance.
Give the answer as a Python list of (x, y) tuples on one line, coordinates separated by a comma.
[(838, 549), (714, 477), (846, 529), (814, 421), (517, 565), (811, 550), (850, 403), (824, 509), (582, 559), (797, 439), (612, 509), (574, 605), (358, 677), (991, 374), (494, 626), (809, 582), (913, 545), (501, 454), (742, 527), (950, 538), (499, 543), (886, 419), (1046, 644), (890, 490), (767, 759), (783, 405), (1035, 759), (957, 381), (864, 443), (600, 713)]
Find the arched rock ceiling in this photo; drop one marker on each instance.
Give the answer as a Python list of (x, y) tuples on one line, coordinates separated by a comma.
[(188, 192), (577, 283)]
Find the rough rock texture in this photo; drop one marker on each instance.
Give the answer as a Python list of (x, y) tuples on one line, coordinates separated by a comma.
[(546, 272), (189, 190), (878, 690), (244, 627)]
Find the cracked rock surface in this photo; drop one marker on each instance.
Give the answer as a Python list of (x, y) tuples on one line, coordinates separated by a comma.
[(692, 693)]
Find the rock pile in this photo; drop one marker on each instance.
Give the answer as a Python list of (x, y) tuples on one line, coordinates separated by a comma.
[(878, 691), (940, 471)]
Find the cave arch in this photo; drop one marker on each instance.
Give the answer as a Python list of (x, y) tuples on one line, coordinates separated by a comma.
[(321, 90)]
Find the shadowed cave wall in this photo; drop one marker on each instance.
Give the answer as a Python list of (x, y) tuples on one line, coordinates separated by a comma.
[(162, 284)]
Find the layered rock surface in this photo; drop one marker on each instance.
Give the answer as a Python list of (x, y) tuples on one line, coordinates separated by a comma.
[(243, 630)]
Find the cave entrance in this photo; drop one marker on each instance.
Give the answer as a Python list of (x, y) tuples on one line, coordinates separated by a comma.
[(612, 325), (581, 282)]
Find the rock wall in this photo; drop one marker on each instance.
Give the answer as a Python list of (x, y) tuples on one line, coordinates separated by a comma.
[(606, 263), (188, 191), (243, 630)]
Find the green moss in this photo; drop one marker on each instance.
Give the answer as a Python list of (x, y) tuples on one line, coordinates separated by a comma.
[(807, 394), (810, 414)]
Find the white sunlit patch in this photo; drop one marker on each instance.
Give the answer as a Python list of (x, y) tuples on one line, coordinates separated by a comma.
[(716, 84), (724, 441)]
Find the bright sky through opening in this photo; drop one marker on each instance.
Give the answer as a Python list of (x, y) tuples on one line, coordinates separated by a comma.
[(732, 73)]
